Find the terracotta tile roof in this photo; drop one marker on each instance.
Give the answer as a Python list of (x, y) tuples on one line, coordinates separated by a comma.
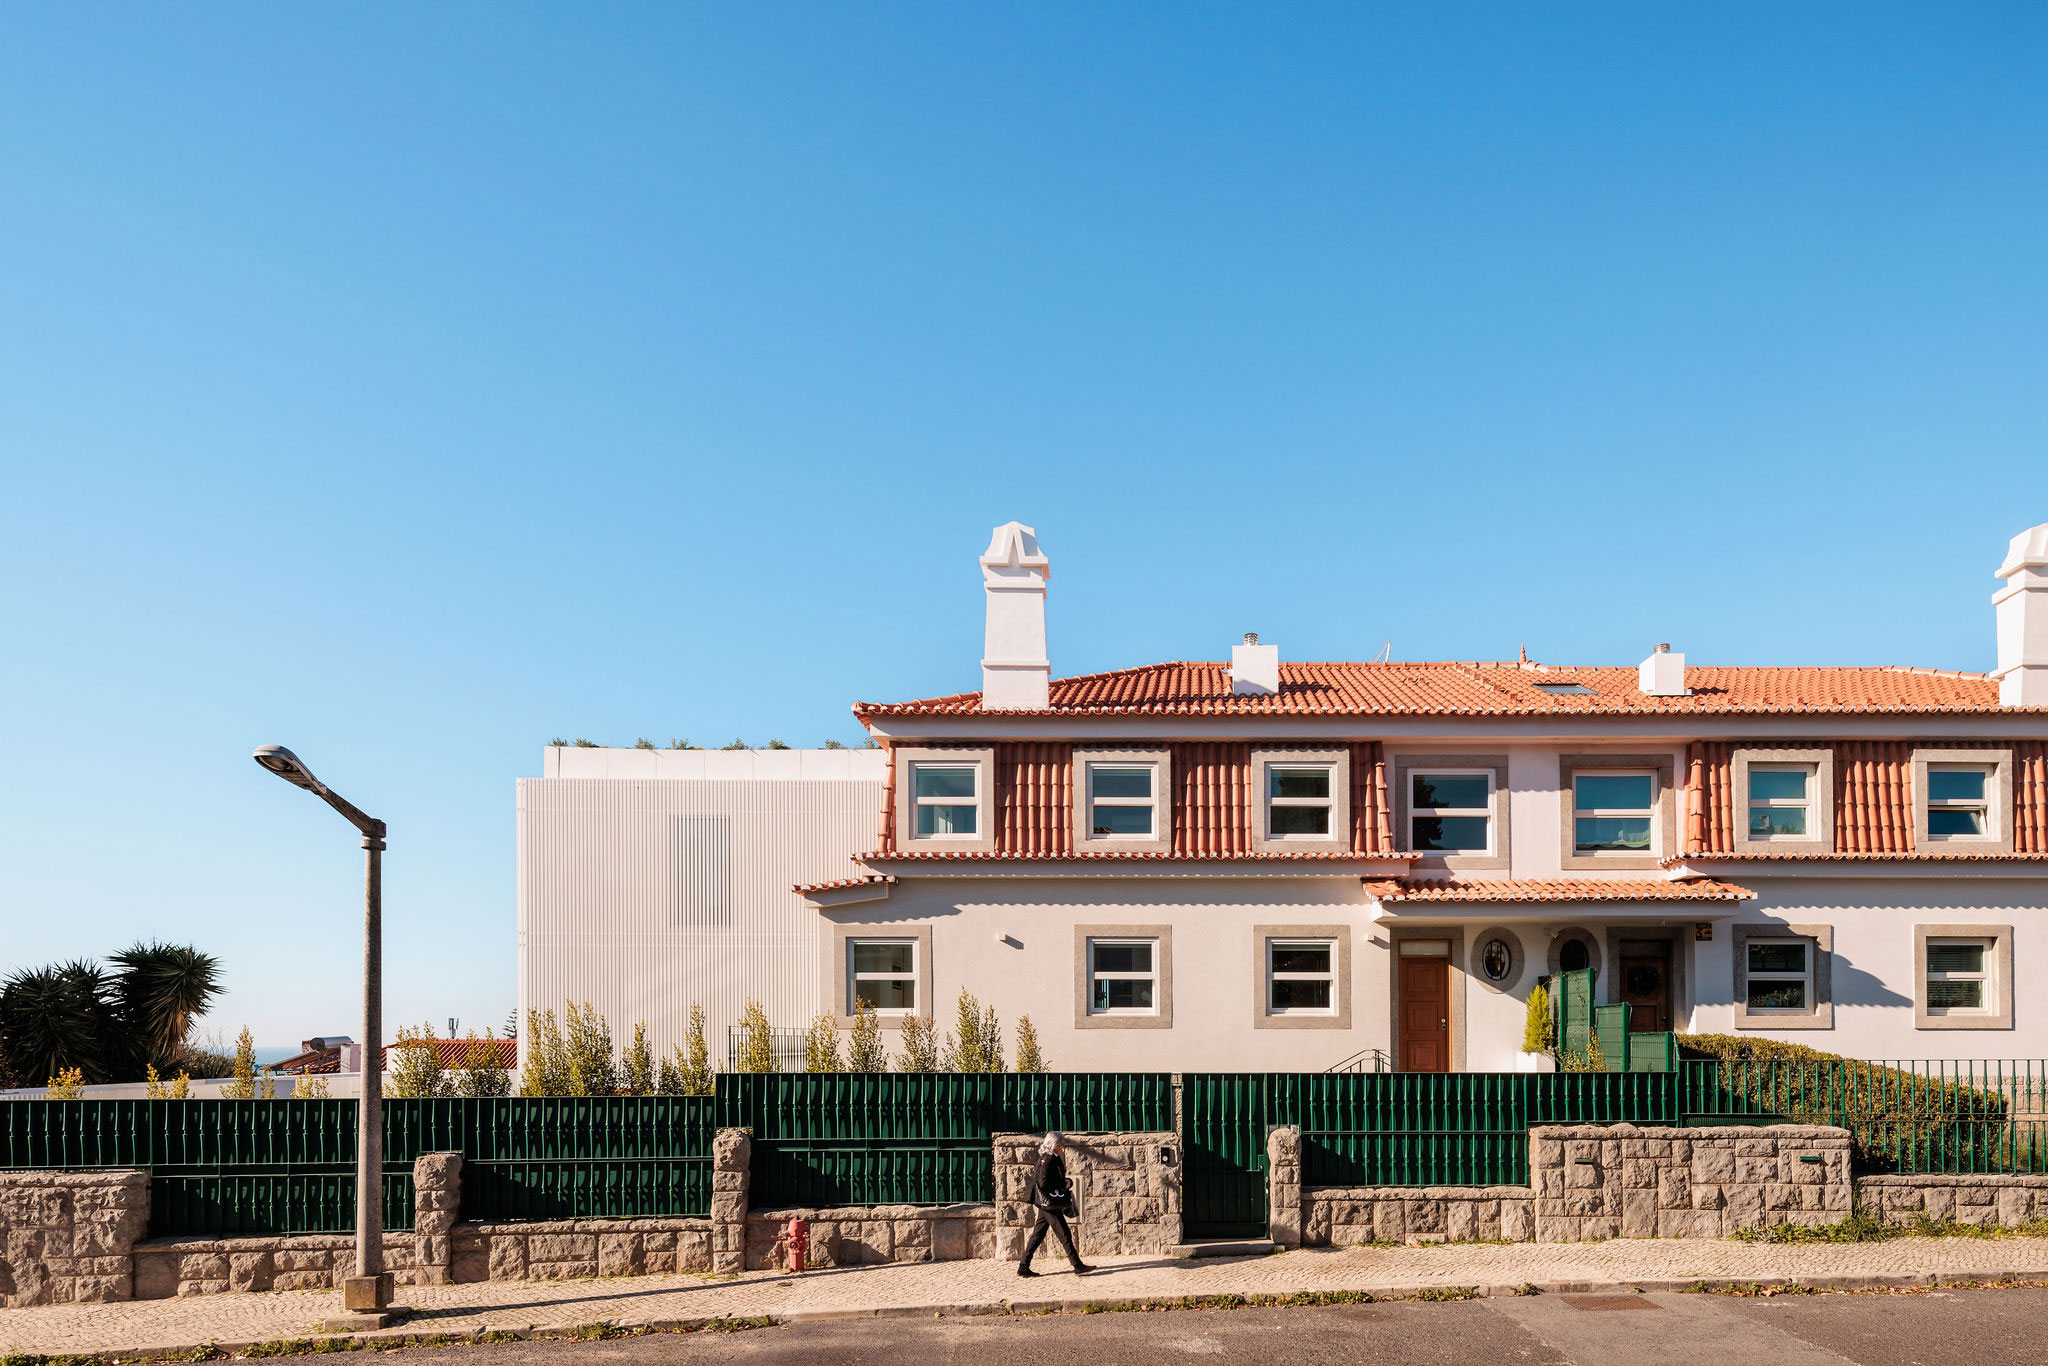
[(1472, 689), (1557, 889), (1211, 791), (455, 1052), (863, 880), (1904, 856), (1873, 798), (1120, 856), (320, 1061)]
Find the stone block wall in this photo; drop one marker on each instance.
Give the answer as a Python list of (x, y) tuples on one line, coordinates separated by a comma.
[(1126, 1192), (1285, 1214), (731, 1160), (2003, 1200), (563, 1249), (1621, 1180), (1598, 1181), (169, 1267), (1345, 1216), (67, 1237), (869, 1235), (436, 1199)]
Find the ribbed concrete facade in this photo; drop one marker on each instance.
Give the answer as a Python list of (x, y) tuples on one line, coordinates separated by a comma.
[(651, 880)]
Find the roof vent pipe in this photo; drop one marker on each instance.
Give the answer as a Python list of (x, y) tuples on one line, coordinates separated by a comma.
[(1662, 674), (1254, 668)]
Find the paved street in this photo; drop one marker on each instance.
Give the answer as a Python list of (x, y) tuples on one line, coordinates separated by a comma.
[(1936, 1328)]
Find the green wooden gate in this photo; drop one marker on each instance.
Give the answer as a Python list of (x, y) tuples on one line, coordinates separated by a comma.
[(1225, 1117)]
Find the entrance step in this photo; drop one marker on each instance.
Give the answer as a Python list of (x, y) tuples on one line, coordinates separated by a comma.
[(1225, 1247)]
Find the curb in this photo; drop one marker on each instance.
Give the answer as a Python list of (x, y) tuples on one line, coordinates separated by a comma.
[(418, 1335)]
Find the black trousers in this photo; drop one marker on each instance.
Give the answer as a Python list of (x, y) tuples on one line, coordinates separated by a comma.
[(1057, 1222)]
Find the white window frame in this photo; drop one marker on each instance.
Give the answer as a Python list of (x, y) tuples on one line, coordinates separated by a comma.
[(1416, 813), (1751, 802), (1987, 1001), (1151, 804), (1985, 806), (854, 977), (1152, 976), (1329, 946), (972, 802), (1327, 802), (1753, 975), (1650, 813)]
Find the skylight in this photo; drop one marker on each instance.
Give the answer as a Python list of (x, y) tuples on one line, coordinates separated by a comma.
[(1565, 689)]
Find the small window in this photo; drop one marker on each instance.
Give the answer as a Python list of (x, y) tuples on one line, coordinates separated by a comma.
[(1496, 960), (1612, 813), (883, 973), (1298, 800), (1780, 974), (1120, 800), (1957, 808), (1780, 802), (947, 799), (1958, 982), (1565, 689), (1123, 976), (1301, 976), (1573, 956), (1451, 811)]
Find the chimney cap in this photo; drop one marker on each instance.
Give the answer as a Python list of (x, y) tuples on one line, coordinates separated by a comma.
[(1251, 637), (1663, 647)]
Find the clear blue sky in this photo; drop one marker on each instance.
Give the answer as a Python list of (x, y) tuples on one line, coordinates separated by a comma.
[(411, 384)]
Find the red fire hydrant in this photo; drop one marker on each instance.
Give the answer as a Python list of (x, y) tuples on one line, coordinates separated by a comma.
[(796, 1242)]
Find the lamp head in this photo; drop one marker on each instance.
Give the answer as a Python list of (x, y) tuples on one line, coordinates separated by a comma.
[(289, 767)]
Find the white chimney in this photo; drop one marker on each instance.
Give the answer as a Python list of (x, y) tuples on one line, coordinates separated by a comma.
[(1662, 674), (1254, 668), (1015, 673), (2022, 605)]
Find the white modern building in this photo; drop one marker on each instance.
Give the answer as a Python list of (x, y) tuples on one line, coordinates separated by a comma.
[(1273, 865)]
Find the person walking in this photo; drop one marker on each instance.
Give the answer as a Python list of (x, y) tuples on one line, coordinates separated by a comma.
[(1053, 1200)]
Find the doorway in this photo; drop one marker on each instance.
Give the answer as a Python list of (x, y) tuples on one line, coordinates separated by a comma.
[(1645, 983), (1424, 1009)]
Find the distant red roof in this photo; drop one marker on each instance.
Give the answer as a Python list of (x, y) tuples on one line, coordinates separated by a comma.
[(455, 1052), (1486, 688)]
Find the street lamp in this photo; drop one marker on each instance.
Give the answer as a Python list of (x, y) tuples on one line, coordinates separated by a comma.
[(368, 1292)]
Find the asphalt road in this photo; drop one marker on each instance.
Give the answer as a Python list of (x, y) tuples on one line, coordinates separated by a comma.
[(1940, 1328)]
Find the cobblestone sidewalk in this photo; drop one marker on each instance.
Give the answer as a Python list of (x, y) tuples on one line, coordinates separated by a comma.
[(982, 1286)]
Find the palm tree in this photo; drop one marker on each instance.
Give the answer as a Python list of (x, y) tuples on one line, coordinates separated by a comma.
[(56, 1018), (161, 990)]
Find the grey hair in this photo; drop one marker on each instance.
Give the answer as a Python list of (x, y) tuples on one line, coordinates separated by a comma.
[(1052, 1141)]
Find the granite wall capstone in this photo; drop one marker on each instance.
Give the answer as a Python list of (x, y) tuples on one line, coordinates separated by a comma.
[(1126, 1192), (68, 1237)]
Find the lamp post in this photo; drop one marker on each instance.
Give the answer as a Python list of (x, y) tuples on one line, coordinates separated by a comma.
[(368, 1292)]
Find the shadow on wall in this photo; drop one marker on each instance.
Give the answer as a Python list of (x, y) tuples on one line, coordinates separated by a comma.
[(1852, 986)]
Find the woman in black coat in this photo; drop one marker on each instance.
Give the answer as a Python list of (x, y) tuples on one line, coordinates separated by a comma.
[(1053, 1200)]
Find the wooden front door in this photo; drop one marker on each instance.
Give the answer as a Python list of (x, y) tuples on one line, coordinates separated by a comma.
[(1425, 1012), (1646, 984)]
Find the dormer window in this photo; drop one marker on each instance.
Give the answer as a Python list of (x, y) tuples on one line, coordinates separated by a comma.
[(1784, 801), (947, 800), (1298, 800), (1780, 802), (1958, 806), (1121, 800)]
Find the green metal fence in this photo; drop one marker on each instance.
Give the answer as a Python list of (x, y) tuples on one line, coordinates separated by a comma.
[(916, 1138), (1955, 1117), (1385, 1129), (1580, 1023)]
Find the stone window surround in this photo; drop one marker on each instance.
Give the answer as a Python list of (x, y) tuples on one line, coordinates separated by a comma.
[(1456, 935), (1820, 800), (1339, 761), (838, 968), (1518, 959), (1681, 979), (1160, 841), (1162, 1017), (1997, 803), (1663, 806), (1405, 764), (1596, 955), (1340, 1018), (1999, 1016), (1820, 1006), (984, 760)]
